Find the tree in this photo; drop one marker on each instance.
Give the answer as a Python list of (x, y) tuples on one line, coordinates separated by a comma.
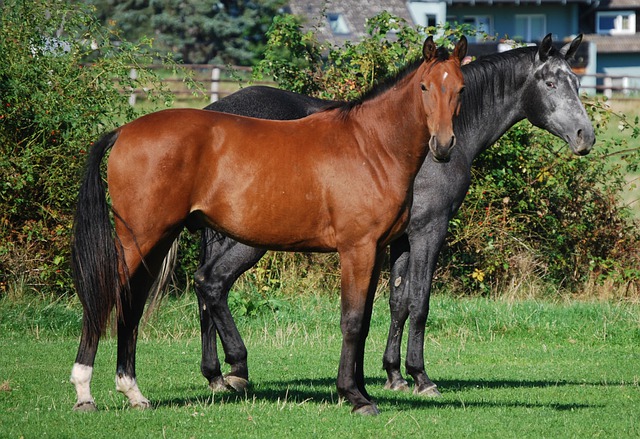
[(197, 31)]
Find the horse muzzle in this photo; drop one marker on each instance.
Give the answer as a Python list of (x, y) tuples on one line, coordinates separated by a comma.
[(441, 149), (582, 142)]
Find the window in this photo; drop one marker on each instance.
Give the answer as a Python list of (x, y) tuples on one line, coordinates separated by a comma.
[(338, 24), (616, 22), (482, 23), (530, 27), (430, 19)]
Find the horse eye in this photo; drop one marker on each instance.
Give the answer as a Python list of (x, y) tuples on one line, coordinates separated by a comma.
[(551, 84), (423, 87)]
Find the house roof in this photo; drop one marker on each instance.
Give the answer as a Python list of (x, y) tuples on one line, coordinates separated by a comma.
[(519, 2), (615, 43), (353, 12), (619, 4)]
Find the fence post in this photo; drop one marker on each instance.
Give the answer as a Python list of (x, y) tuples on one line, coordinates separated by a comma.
[(608, 84), (625, 85), (133, 74), (215, 84)]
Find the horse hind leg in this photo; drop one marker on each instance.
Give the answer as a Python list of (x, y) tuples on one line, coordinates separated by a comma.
[(128, 322), (132, 306), (83, 368), (223, 261)]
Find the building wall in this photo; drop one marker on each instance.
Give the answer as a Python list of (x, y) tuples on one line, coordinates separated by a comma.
[(561, 21)]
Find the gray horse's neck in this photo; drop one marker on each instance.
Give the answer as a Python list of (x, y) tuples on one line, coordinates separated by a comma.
[(491, 103)]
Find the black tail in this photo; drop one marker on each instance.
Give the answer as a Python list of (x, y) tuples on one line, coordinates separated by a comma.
[(93, 250)]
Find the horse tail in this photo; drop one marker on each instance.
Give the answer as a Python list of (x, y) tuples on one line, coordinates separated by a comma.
[(162, 281), (94, 258)]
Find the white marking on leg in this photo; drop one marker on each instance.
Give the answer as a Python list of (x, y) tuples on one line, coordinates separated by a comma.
[(398, 281), (81, 379), (129, 387)]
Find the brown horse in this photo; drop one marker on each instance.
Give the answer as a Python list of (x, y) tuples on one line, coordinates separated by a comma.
[(349, 190)]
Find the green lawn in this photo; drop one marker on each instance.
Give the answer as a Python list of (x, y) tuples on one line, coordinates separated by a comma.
[(522, 369)]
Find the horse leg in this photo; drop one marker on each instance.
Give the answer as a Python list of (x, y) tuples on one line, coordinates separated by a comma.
[(83, 368), (399, 310), (367, 318), (425, 248), (132, 308), (223, 260), (358, 268), (210, 364), (142, 255)]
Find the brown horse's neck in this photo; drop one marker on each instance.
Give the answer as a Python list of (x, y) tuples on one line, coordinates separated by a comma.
[(397, 119)]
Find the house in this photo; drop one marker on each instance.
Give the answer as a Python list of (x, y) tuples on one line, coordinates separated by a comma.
[(613, 29), (340, 21), (610, 26)]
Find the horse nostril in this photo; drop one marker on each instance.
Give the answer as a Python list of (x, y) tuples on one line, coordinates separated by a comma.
[(580, 134)]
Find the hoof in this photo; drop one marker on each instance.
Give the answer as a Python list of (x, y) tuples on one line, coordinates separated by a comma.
[(85, 406), (141, 405), (218, 385), (397, 385), (430, 391), (236, 383), (367, 410)]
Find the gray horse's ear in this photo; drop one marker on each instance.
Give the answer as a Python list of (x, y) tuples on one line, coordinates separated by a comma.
[(569, 49), (545, 48), (429, 49)]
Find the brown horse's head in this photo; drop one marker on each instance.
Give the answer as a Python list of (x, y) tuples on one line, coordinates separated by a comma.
[(441, 83)]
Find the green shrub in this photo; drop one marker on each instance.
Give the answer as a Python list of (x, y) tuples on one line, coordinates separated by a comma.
[(61, 77)]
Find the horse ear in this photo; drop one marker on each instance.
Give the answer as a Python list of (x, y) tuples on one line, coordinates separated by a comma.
[(429, 49), (545, 48), (568, 50), (461, 49)]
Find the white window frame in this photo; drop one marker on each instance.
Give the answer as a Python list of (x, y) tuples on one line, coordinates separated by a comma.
[(617, 22), (528, 38)]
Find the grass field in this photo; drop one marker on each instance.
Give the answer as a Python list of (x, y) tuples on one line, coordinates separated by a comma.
[(505, 369)]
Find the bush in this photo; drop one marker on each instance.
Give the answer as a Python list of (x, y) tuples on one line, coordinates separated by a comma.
[(61, 77)]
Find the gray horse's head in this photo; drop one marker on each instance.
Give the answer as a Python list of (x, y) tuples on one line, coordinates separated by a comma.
[(551, 97)]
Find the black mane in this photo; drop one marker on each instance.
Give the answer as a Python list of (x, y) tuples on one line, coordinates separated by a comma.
[(490, 79), (442, 54)]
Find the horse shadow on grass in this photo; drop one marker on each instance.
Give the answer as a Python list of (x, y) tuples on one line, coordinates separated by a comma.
[(323, 391)]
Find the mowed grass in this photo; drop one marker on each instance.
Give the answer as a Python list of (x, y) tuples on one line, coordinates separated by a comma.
[(505, 369)]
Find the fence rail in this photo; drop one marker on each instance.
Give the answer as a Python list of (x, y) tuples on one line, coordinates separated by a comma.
[(219, 83), (627, 85)]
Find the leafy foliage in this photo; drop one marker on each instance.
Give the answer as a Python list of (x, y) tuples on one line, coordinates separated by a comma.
[(57, 95)]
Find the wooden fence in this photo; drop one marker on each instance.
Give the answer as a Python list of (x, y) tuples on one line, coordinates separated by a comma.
[(218, 81), (608, 85)]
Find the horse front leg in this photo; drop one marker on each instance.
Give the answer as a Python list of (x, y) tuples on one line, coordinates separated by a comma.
[(223, 260), (359, 271), (399, 310), (425, 248)]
